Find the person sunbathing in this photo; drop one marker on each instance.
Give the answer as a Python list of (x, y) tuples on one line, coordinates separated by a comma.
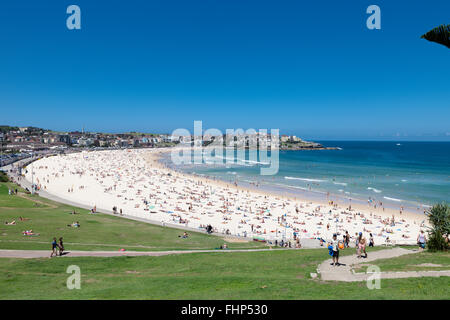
[(75, 225), (184, 236), (29, 233), (24, 219), (10, 223)]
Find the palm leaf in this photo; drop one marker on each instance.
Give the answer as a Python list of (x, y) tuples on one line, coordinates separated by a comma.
[(439, 35)]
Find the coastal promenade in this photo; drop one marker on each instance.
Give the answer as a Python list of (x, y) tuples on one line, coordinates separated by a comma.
[(33, 254)]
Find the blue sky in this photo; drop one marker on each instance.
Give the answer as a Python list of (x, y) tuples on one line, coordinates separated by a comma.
[(310, 68)]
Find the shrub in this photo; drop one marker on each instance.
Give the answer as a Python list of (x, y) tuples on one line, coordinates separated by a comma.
[(439, 217), (3, 177), (436, 241)]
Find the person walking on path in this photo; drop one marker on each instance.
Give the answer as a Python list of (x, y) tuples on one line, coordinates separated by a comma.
[(421, 240), (347, 239), (335, 244), (362, 245), (371, 241), (61, 246), (54, 248)]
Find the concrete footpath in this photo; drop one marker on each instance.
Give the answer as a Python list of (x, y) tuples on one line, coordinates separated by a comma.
[(345, 272), (32, 254)]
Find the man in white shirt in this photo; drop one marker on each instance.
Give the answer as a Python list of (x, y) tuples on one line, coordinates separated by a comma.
[(335, 243)]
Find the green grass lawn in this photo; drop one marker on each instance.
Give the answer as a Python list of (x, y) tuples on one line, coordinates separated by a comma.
[(276, 274), (7, 201), (412, 262), (97, 231), (234, 275)]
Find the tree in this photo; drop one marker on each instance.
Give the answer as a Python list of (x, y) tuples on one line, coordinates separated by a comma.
[(439, 217), (3, 177), (439, 35)]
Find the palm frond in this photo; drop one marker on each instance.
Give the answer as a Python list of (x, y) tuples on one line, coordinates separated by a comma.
[(439, 35)]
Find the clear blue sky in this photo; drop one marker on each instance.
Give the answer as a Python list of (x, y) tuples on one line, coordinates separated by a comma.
[(310, 68)]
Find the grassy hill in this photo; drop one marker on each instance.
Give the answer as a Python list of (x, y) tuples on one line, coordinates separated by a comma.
[(97, 231), (273, 274)]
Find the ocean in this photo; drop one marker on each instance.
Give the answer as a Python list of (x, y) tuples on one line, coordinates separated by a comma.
[(409, 174)]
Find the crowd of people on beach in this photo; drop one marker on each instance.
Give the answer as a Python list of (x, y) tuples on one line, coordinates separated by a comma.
[(133, 181), (145, 188)]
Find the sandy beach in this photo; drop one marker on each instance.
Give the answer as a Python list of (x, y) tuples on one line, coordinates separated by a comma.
[(137, 184)]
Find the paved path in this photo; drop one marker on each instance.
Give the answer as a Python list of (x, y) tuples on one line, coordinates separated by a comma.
[(46, 253), (344, 272)]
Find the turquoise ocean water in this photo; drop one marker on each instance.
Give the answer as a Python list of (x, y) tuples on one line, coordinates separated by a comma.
[(410, 174)]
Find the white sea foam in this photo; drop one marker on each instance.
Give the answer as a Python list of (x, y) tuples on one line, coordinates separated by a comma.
[(225, 158), (374, 190), (304, 179), (340, 183), (255, 162), (296, 187), (242, 160), (393, 199)]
